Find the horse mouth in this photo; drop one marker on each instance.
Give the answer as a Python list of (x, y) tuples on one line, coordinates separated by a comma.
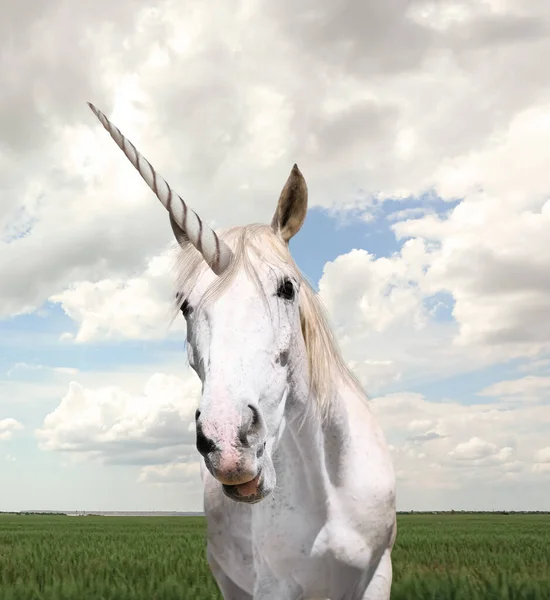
[(245, 492)]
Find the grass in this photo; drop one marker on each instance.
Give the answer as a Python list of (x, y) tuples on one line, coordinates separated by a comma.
[(443, 557), (472, 556)]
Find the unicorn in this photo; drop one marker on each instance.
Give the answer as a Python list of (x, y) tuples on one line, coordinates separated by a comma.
[(299, 485)]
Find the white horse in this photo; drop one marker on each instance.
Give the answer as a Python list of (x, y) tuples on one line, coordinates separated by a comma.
[(299, 483)]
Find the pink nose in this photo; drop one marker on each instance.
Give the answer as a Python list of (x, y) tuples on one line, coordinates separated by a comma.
[(229, 435), (232, 466), (234, 477), (228, 461), (231, 443)]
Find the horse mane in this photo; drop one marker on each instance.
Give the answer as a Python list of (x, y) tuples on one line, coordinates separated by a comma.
[(325, 362)]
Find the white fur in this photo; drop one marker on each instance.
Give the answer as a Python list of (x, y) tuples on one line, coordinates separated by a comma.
[(327, 526)]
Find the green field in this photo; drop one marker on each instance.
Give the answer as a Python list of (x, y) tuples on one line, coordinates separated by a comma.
[(458, 557)]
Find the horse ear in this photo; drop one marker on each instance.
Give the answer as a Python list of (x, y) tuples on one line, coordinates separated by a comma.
[(292, 207)]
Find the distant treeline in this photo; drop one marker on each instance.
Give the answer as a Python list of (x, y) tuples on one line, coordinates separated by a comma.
[(26, 512)]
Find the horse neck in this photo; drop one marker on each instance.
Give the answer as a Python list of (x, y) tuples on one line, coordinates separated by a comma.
[(311, 445)]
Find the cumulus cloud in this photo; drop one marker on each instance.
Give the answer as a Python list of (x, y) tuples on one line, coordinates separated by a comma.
[(188, 473), (134, 308), (492, 257), (466, 290), (8, 427), (54, 215), (116, 427), (23, 370), (478, 451), (386, 323), (345, 96), (460, 446), (543, 455), (383, 289), (528, 388)]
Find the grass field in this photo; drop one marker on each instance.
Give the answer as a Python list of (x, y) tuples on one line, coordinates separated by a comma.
[(444, 557)]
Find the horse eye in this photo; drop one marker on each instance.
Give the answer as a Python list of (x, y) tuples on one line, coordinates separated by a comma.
[(286, 290)]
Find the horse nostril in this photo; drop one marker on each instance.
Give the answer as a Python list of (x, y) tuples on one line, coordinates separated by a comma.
[(204, 445), (197, 414), (252, 429)]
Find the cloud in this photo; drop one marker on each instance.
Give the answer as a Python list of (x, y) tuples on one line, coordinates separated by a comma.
[(543, 455), (480, 451), (54, 214), (386, 294), (528, 388), (467, 289), (459, 446), (387, 324), (134, 308), (172, 473), (542, 461), (501, 303), (426, 437), (538, 365), (115, 427), (8, 427), (347, 102), (22, 370)]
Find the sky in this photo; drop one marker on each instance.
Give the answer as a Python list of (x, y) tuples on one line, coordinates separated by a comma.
[(422, 131)]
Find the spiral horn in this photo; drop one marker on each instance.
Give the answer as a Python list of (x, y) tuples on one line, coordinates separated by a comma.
[(185, 222)]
